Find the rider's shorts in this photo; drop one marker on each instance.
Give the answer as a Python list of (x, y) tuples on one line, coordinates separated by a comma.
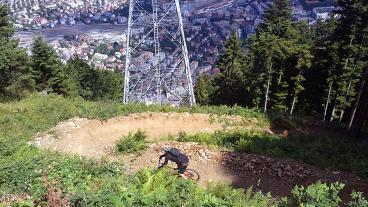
[(182, 168)]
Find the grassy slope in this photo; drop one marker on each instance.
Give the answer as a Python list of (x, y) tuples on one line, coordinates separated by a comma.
[(103, 183), (90, 182)]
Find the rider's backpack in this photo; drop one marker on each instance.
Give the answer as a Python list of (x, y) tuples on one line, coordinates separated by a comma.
[(175, 152)]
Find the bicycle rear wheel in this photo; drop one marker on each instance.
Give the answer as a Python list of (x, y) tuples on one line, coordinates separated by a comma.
[(192, 174)]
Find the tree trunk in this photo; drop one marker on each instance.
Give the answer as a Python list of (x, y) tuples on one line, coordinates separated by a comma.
[(333, 112), (346, 98), (342, 110), (361, 88), (295, 95), (267, 91), (293, 105), (341, 115), (279, 81), (361, 115), (327, 102), (347, 94)]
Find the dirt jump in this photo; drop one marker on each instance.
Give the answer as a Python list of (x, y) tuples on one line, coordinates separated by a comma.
[(96, 139)]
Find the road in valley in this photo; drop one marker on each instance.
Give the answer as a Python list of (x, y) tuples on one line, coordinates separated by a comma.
[(108, 31)]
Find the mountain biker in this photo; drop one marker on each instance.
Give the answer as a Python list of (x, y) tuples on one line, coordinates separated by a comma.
[(174, 155)]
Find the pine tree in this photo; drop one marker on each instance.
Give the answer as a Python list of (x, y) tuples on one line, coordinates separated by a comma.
[(203, 90), (278, 18), (93, 84), (303, 63), (350, 35), (82, 78), (280, 79), (266, 48), (279, 12), (229, 82), (109, 85), (49, 72), (279, 54), (281, 91), (6, 26), (359, 112), (360, 109), (15, 74), (321, 76)]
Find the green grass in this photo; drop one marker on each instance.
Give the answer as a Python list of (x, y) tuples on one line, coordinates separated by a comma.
[(132, 143), (104, 183), (313, 149)]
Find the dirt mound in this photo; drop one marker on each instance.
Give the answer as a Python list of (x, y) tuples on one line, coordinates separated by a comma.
[(91, 138)]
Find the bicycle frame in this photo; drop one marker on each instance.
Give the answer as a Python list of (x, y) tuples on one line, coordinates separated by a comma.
[(193, 173)]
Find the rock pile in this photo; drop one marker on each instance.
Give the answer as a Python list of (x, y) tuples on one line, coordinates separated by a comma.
[(10, 198), (48, 139), (263, 165), (71, 124)]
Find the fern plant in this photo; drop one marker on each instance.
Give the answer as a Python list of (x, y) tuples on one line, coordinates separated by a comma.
[(132, 143)]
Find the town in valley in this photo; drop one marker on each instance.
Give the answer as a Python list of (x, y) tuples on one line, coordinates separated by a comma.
[(95, 30)]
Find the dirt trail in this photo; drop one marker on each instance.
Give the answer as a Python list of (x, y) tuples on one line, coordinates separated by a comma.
[(92, 138), (244, 170)]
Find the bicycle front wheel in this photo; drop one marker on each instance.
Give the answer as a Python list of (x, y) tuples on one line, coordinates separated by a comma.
[(193, 175)]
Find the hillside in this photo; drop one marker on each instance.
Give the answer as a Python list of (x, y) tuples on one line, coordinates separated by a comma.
[(226, 145)]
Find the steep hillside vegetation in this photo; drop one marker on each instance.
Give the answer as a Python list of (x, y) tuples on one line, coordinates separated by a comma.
[(32, 177)]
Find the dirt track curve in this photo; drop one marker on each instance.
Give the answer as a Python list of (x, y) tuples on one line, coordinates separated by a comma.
[(93, 138)]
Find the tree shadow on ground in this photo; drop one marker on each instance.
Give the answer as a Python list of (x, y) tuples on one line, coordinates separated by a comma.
[(279, 176), (274, 163)]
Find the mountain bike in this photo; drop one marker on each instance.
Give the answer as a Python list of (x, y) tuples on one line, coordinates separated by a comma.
[(189, 173)]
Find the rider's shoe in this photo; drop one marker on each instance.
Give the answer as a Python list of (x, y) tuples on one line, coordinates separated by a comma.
[(184, 175)]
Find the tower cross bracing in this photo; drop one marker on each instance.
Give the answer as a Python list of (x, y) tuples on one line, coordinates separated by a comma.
[(157, 66)]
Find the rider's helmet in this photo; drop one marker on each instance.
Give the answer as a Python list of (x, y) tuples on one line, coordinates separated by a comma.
[(166, 148)]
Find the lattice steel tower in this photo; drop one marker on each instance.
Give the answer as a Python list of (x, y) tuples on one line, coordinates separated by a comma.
[(157, 66)]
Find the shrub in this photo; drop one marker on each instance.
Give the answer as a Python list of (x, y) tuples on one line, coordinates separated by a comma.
[(358, 200), (280, 120), (54, 197), (243, 145), (183, 137), (132, 143), (318, 195), (161, 188), (237, 197)]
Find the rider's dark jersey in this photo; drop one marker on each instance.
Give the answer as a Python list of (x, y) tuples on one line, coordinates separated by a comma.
[(176, 156)]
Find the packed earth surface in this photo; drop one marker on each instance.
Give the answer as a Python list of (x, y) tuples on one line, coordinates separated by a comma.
[(97, 139)]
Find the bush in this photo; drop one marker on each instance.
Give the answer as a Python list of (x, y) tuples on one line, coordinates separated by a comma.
[(358, 200), (132, 143), (161, 188), (321, 195), (237, 197), (280, 120), (318, 195)]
